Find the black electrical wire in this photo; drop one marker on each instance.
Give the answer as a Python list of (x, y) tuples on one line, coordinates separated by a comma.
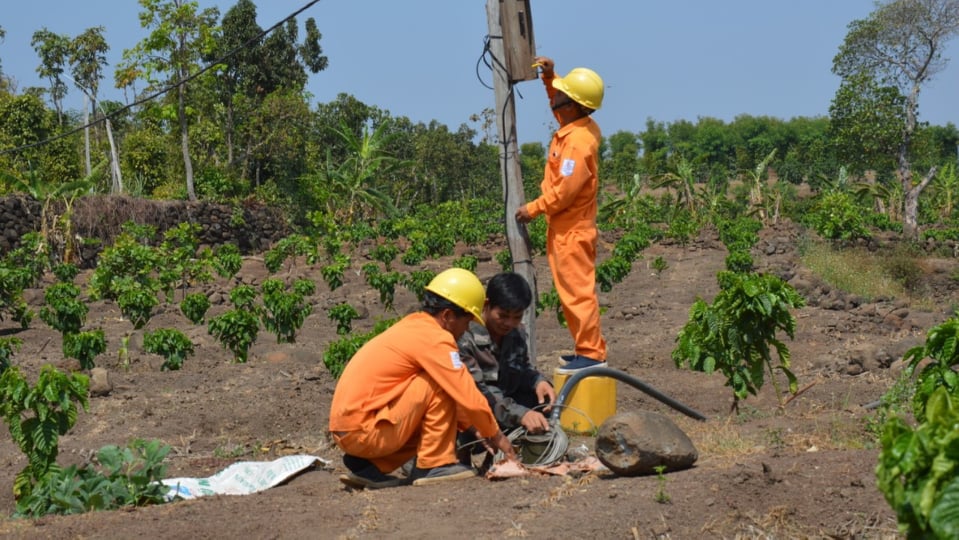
[(163, 91), (494, 65)]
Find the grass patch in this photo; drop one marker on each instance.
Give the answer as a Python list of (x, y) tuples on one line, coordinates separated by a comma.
[(855, 271)]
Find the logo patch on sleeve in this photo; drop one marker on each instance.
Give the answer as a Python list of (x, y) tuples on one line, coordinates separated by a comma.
[(567, 167), (455, 357)]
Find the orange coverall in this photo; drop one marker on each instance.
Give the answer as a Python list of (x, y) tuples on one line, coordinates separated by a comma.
[(403, 394), (569, 189)]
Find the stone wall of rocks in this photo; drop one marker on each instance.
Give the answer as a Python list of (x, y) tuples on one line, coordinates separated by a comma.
[(253, 228)]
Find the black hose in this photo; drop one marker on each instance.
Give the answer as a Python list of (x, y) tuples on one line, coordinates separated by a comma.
[(600, 371)]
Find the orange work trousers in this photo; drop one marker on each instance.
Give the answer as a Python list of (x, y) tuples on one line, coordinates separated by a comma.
[(421, 422), (572, 260)]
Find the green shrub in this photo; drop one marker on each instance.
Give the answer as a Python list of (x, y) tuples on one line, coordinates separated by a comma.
[(918, 470), (37, 416), (837, 217), (417, 280), (8, 346), (739, 261), (285, 312), (339, 352), (466, 262), (173, 345), (84, 346), (242, 297), (736, 334), (236, 330), (333, 272), (227, 260), (384, 282), (125, 261), (124, 477), (64, 312), (941, 346), (136, 302), (194, 307)]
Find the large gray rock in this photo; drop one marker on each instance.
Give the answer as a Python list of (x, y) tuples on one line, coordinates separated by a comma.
[(635, 443), (100, 383)]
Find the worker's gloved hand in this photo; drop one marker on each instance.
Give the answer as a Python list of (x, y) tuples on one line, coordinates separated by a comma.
[(534, 422)]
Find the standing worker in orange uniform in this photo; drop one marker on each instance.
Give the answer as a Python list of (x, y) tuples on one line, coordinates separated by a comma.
[(569, 189), (406, 391)]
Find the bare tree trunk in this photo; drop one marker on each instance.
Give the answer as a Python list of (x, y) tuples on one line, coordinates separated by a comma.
[(115, 174), (910, 214), (185, 142), (86, 132)]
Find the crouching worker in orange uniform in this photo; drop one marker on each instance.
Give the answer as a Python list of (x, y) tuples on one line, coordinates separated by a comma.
[(569, 189), (406, 391)]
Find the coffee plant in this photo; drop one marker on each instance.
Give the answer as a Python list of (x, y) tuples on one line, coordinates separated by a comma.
[(343, 315), (333, 273), (339, 352), (466, 262), (194, 307), (8, 346), (126, 261), (918, 470), (12, 282), (942, 347), (63, 309), (236, 331), (182, 267), (384, 282), (124, 477), (242, 297), (385, 253), (285, 312), (173, 345), (136, 301), (417, 280), (84, 346), (736, 334), (227, 260), (65, 272), (37, 416), (289, 248)]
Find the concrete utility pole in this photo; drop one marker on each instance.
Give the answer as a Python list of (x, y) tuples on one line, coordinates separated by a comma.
[(516, 234)]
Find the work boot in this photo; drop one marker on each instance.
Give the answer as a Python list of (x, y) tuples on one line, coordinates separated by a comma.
[(443, 473), (407, 468), (577, 362), (365, 475)]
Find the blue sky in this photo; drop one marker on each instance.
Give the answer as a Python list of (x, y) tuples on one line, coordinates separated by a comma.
[(665, 60)]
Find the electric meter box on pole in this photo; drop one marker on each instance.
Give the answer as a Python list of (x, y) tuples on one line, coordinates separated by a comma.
[(516, 20)]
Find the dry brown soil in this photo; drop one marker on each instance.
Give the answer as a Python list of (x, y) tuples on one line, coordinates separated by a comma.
[(801, 470)]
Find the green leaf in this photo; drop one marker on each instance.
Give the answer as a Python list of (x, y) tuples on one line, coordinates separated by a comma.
[(944, 518)]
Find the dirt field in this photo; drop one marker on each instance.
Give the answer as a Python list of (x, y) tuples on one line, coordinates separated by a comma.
[(804, 470)]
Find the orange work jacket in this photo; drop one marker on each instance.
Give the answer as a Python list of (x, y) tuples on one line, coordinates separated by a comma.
[(384, 367), (571, 179)]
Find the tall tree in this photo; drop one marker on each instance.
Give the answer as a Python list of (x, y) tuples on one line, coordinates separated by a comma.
[(3, 35), (180, 34), (236, 84), (285, 61), (54, 52), (900, 44), (865, 124), (88, 57)]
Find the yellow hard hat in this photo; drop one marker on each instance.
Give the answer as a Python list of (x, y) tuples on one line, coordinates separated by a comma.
[(461, 287), (582, 85)]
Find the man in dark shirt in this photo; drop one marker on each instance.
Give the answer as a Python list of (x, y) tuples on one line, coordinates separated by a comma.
[(498, 358)]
